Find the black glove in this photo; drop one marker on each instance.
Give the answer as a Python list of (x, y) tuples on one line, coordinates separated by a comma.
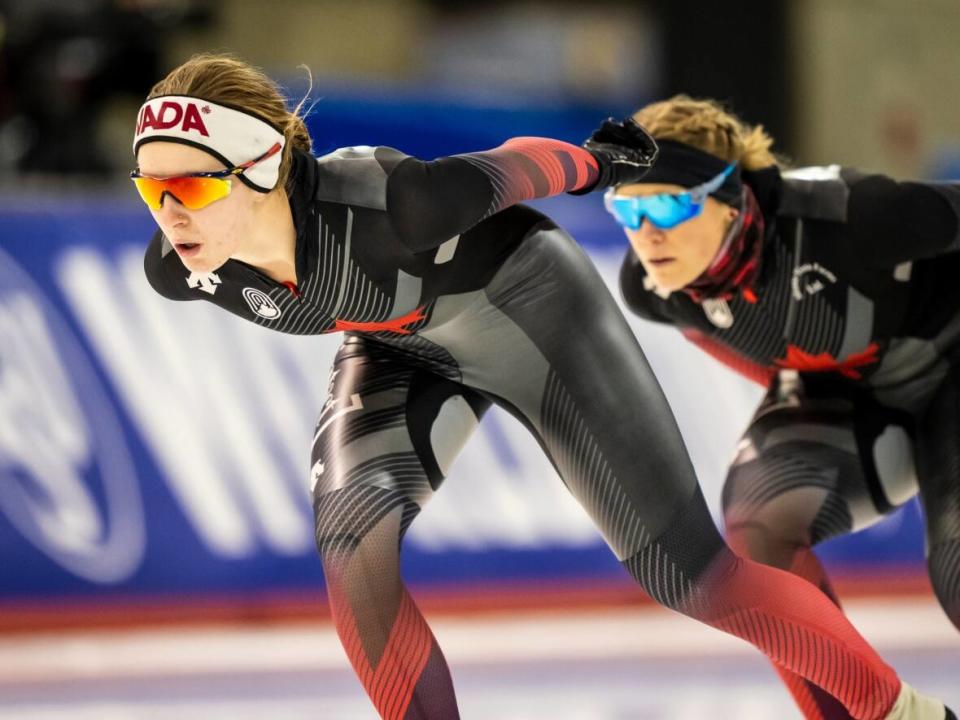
[(624, 153)]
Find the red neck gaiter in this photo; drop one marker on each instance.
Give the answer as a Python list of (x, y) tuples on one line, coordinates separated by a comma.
[(737, 263)]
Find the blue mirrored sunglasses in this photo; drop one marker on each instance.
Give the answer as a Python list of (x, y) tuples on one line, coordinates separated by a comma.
[(664, 210)]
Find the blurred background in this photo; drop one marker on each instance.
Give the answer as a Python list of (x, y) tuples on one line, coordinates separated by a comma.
[(156, 550)]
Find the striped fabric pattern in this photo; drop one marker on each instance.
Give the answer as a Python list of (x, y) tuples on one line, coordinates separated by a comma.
[(391, 680), (764, 331), (944, 564), (758, 329), (337, 287), (684, 572), (525, 168), (582, 466), (345, 516)]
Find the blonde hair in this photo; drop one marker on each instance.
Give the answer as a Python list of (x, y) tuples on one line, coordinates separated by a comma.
[(708, 126), (227, 80)]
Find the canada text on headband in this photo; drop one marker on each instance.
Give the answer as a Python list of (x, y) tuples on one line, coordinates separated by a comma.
[(232, 136)]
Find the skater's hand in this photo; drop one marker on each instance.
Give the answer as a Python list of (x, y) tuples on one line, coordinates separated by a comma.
[(624, 152)]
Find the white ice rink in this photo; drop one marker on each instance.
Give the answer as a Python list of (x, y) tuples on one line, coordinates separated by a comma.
[(615, 664)]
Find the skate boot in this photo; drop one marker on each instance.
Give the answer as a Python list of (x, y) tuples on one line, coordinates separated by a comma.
[(911, 705)]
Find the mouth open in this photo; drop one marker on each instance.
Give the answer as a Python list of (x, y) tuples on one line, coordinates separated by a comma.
[(187, 249)]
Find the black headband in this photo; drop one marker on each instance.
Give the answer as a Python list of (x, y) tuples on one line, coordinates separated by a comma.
[(681, 164)]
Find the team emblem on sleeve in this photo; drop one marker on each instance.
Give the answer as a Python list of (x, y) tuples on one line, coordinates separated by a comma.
[(718, 312), (261, 303)]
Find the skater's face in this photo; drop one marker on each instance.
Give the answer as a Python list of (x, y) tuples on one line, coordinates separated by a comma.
[(676, 256), (204, 237)]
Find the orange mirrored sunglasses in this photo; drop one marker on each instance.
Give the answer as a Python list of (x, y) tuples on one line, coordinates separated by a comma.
[(193, 190)]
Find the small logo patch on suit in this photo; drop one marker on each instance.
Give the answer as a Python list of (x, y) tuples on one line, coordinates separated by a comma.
[(718, 312), (808, 279), (207, 282), (261, 303)]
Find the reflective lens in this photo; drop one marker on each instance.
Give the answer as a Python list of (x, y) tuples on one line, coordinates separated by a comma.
[(665, 211), (190, 191)]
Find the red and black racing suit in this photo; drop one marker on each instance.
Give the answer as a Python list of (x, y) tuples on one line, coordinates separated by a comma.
[(452, 298), (853, 324)]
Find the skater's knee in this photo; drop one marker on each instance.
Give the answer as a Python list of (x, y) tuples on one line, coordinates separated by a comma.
[(770, 527), (756, 540), (353, 515), (672, 566)]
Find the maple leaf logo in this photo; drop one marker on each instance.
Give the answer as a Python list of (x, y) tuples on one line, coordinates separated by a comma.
[(797, 359)]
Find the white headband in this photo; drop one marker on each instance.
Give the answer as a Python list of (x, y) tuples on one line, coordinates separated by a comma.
[(232, 136)]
